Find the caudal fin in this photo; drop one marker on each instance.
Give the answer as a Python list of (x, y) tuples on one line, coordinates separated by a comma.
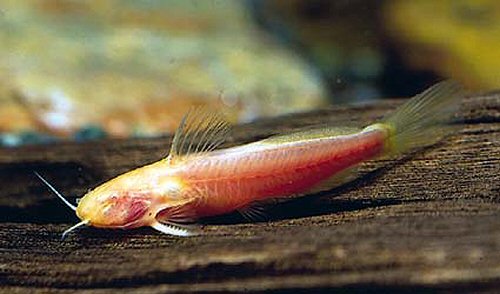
[(424, 119)]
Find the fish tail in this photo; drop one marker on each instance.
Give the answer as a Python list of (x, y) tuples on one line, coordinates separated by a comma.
[(423, 120)]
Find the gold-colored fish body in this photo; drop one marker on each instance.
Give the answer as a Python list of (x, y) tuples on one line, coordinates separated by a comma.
[(132, 199)]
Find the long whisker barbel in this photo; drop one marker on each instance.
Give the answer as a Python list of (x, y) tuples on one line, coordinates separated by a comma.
[(65, 233), (55, 191), (63, 199)]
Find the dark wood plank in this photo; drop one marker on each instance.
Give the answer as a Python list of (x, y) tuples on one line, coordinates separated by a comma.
[(426, 221)]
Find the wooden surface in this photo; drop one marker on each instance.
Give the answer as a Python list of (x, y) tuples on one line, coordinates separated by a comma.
[(427, 221)]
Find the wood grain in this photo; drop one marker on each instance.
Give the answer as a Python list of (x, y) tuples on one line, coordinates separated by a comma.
[(426, 221)]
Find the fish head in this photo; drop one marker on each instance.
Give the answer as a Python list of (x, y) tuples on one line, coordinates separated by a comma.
[(130, 201), (109, 208)]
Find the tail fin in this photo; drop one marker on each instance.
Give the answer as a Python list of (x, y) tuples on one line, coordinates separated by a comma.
[(424, 119)]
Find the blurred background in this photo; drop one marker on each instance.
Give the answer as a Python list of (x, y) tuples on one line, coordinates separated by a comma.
[(82, 70)]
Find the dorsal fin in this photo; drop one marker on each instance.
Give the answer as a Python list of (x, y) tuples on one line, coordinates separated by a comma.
[(200, 130)]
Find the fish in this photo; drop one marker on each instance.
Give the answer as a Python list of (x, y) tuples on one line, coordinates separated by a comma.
[(198, 179)]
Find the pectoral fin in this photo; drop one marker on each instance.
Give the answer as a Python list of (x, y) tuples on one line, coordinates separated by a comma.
[(171, 229)]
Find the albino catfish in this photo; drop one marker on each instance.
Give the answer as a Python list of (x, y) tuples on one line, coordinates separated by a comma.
[(195, 180)]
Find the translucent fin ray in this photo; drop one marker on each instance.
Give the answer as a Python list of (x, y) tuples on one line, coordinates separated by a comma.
[(176, 214), (254, 212), (181, 211), (424, 119), (200, 130), (171, 229)]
